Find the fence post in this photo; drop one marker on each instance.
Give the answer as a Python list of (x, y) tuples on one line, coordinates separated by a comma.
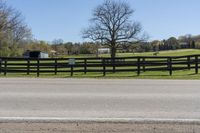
[(85, 66), (196, 64), (143, 64), (170, 65), (5, 67), (38, 67), (104, 67), (72, 70), (0, 66), (138, 66), (188, 62), (113, 63), (56, 66), (28, 66)]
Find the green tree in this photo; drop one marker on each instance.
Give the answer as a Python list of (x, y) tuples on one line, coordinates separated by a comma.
[(173, 43)]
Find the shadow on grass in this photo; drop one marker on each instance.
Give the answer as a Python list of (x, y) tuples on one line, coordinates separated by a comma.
[(110, 75), (192, 74)]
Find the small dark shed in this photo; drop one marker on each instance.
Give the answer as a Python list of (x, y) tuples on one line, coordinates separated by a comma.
[(35, 54)]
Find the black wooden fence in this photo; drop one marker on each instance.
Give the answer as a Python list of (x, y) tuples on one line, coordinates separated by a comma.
[(104, 65)]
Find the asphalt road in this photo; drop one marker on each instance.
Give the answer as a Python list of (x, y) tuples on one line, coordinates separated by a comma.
[(99, 98)]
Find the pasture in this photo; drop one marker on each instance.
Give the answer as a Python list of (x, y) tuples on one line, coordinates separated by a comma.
[(127, 65), (181, 52)]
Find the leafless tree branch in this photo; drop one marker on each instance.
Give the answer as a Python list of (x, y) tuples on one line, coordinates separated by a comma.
[(112, 26)]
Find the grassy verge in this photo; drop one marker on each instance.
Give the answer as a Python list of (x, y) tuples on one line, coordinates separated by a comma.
[(186, 74)]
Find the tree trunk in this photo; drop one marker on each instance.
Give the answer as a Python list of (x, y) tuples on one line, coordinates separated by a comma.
[(113, 52), (113, 55)]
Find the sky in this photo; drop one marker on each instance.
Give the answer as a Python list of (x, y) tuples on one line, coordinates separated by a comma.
[(65, 19)]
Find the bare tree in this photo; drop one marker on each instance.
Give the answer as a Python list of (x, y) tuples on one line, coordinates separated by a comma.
[(13, 30), (12, 23), (112, 26)]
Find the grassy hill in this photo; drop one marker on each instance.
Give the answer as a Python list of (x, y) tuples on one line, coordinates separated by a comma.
[(166, 53), (181, 52)]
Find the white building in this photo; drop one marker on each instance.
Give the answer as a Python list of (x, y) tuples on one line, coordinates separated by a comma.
[(104, 51)]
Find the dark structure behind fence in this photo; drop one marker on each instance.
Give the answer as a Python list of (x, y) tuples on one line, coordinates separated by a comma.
[(103, 65)]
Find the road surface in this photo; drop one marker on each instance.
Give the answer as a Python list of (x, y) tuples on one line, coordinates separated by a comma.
[(99, 98), (90, 99)]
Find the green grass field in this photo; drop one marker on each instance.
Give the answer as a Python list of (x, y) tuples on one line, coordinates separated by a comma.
[(161, 53), (168, 53), (183, 74)]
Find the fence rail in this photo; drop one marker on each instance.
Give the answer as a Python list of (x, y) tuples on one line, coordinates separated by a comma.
[(104, 65)]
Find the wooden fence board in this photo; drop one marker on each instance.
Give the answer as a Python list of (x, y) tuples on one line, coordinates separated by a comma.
[(102, 65)]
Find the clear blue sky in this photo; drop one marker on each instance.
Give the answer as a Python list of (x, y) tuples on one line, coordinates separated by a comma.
[(64, 19)]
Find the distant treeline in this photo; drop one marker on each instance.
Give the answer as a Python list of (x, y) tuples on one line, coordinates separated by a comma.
[(183, 42), (58, 48)]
